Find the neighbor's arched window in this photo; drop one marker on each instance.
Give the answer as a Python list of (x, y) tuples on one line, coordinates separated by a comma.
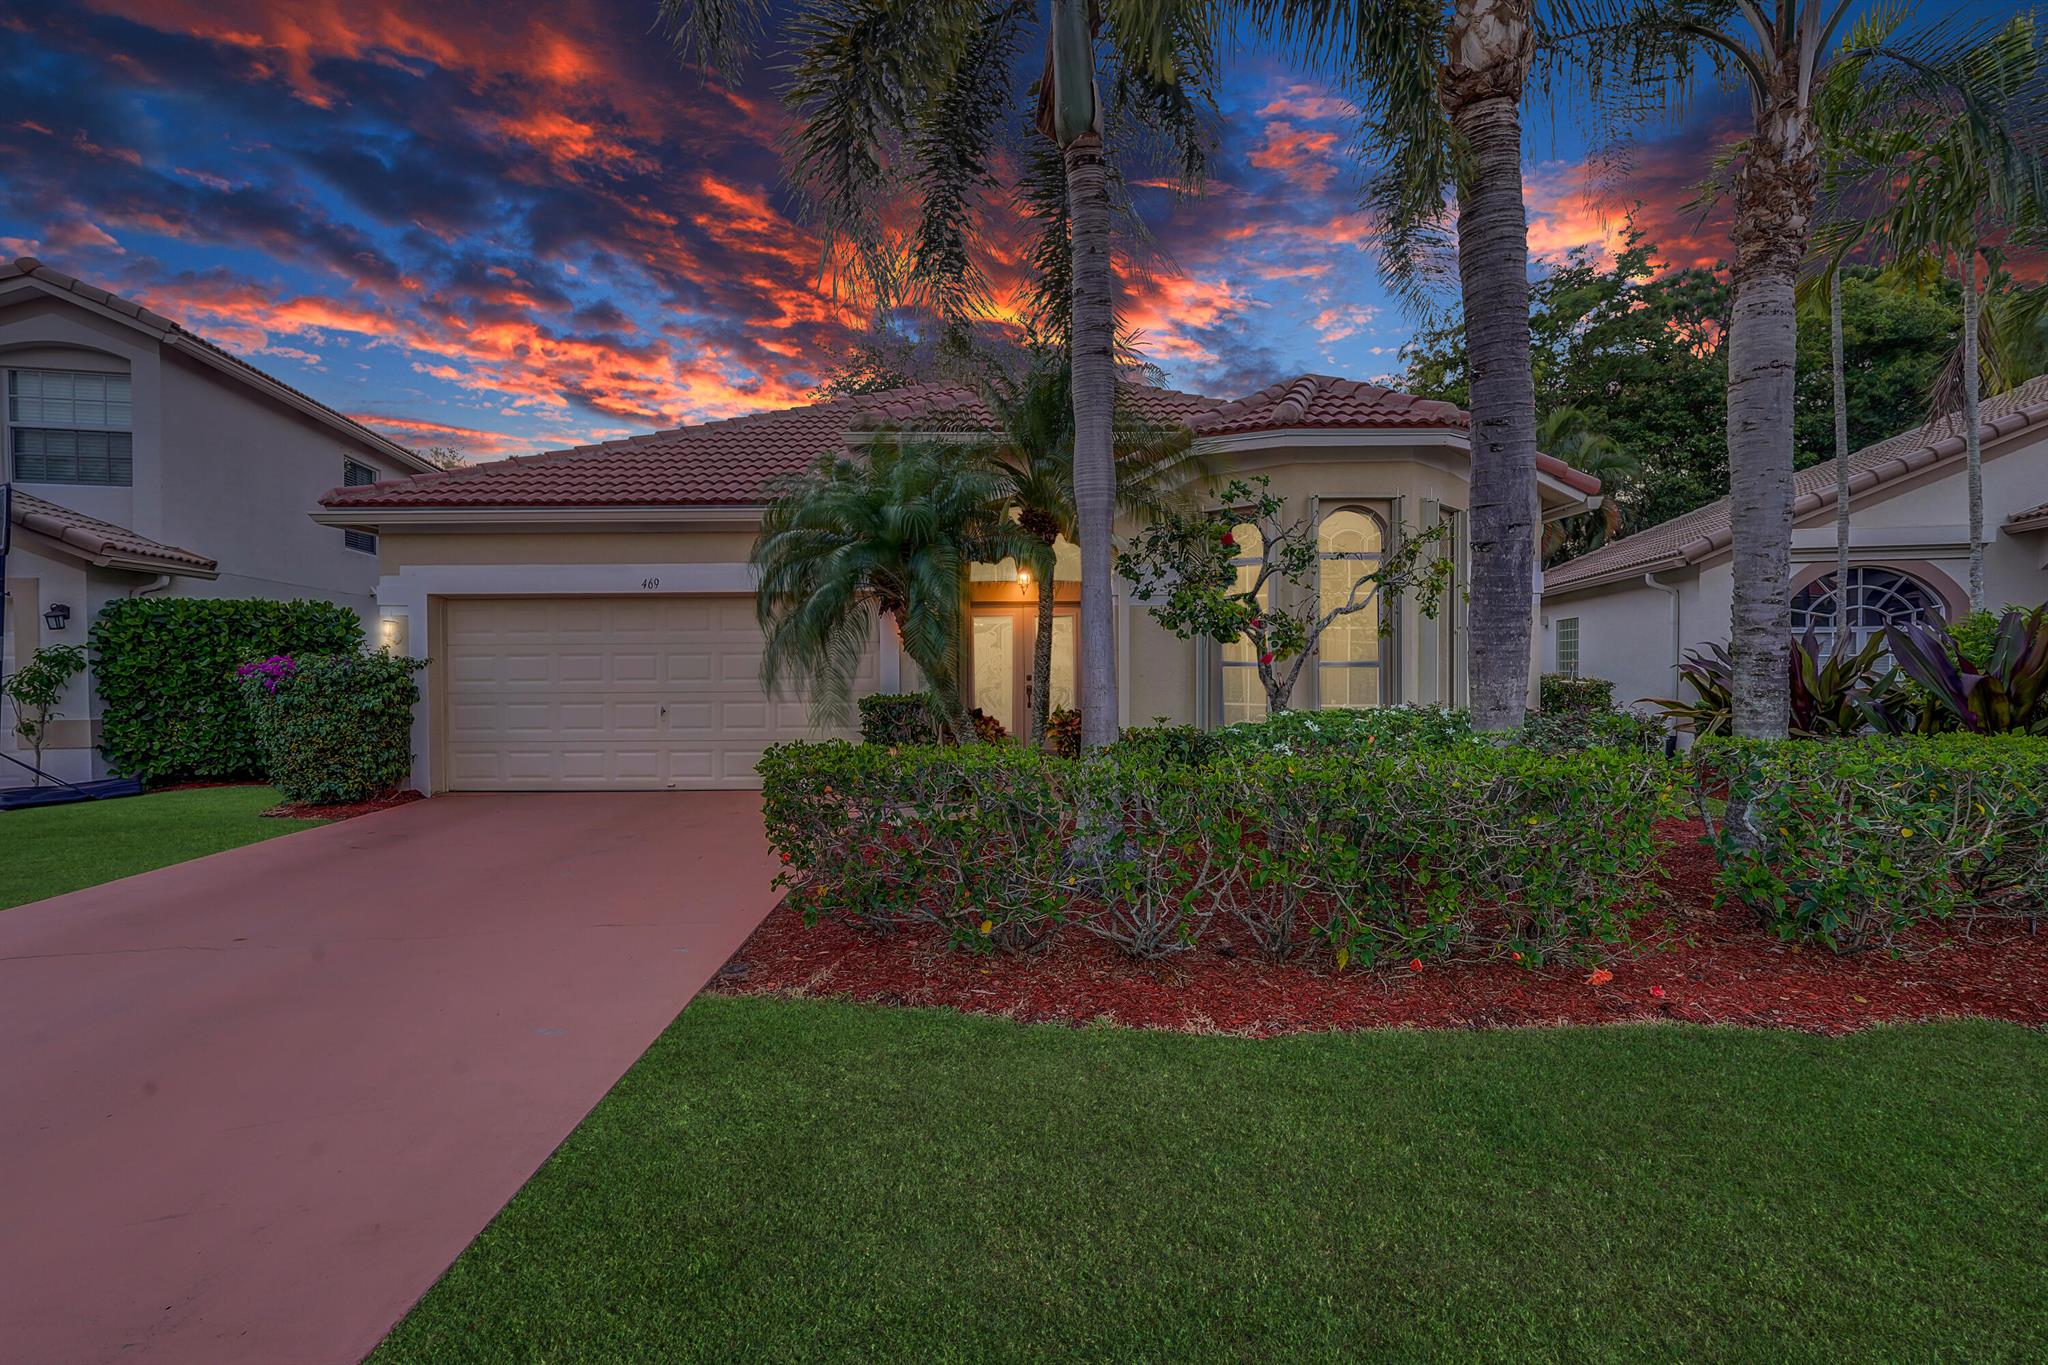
[(1350, 542), (1875, 597), (1244, 696)]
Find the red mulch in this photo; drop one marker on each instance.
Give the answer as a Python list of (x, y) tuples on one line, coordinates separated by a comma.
[(346, 810), (1689, 961)]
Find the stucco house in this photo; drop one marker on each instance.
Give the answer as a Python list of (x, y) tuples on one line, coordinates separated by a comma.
[(1630, 609), (144, 459), (589, 618)]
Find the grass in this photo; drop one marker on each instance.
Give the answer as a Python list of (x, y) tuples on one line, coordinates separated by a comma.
[(797, 1180), (54, 849)]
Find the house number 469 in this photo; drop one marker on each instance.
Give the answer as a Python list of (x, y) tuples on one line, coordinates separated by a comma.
[(650, 583)]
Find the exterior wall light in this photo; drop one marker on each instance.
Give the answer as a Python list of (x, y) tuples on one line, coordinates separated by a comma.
[(57, 617)]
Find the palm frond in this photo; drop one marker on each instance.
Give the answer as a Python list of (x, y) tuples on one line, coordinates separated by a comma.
[(716, 34)]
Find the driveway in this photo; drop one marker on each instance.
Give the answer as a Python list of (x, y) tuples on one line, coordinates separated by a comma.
[(252, 1105)]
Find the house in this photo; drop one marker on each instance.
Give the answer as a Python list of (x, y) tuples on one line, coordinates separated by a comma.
[(589, 619), (1628, 610), (145, 459)]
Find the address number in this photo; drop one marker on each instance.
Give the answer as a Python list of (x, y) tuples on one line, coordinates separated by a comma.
[(650, 583)]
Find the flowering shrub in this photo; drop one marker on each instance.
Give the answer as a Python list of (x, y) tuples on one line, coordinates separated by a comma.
[(164, 667), (1855, 840), (333, 727), (1374, 855)]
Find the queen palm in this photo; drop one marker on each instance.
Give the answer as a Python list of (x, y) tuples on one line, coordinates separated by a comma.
[(896, 94), (1779, 50), (891, 533)]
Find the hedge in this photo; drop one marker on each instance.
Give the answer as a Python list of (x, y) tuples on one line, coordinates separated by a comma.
[(333, 728), (1368, 856), (164, 667), (1848, 842), (1568, 692)]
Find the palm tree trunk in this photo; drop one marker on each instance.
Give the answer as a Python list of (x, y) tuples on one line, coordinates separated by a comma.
[(1841, 457), (1092, 339), (1482, 89), (1973, 440), (1041, 664), (1774, 198)]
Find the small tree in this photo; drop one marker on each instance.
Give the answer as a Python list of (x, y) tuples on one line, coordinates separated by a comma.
[(1185, 562), (35, 689)]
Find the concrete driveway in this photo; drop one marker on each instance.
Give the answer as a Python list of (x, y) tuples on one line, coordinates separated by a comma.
[(252, 1105)]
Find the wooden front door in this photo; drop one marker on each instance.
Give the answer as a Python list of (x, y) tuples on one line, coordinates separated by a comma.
[(1001, 661)]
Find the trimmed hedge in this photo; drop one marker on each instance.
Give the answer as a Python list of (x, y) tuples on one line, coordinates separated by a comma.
[(170, 708), (1374, 855), (1565, 692), (906, 718), (333, 728), (1852, 841)]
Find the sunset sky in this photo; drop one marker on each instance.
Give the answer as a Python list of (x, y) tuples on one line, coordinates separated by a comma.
[(509, 227)]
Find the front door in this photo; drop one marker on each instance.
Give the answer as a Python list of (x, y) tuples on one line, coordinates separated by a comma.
[(1003, 640)]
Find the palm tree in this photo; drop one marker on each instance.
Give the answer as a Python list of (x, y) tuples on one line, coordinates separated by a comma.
[(1778, 50), (1568, 433), (911, 93), (892, 533), (1978, 180), (1032, 458)]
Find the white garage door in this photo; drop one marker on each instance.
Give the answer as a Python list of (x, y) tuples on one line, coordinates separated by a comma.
[(570, 693)]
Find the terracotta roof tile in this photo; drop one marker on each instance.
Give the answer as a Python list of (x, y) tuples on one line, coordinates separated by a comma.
[(731, 463), (2033, 519), (1705, 530), (102, 541)]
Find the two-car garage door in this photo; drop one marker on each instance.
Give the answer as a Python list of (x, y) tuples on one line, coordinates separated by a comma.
[(569, 693)]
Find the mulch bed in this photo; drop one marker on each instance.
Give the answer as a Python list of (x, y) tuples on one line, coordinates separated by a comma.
[(341, 810), (1690, 960)]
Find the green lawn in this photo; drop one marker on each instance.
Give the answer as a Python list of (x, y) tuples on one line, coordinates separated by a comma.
[(54, 849), (785, 1180)]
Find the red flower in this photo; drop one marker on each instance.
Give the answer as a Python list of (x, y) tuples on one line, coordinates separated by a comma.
[(1414, 964), (1267, 657), (785, 858), (1657, 991), (1600, 977), (1517, 956), (1229, 539)]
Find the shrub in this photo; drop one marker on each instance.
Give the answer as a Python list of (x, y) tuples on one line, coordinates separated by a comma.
[(1831, 694), (1854, 841), (1568, 731), (2001, 688), (1063, 732), (165, 669), (897, 718), (1377, 854), (334, 727), (1563, 692)]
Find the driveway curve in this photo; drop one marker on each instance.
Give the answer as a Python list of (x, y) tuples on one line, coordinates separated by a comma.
[(254, 1104)]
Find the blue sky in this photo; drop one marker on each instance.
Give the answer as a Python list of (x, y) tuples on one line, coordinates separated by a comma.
[(506, 228)]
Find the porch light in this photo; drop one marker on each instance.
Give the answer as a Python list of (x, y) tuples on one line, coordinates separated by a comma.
[(57, 617), (1023, 578)]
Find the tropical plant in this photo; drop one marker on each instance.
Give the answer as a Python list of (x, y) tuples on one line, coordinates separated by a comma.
[(1032, 457), (35, 688), (1571, 435), (2002, 690), (893, 532), (1187, 563), (912, 94), (1826, 694)]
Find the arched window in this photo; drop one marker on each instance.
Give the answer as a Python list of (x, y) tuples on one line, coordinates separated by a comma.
[(1876, 597), (1350, 542), (1244, 696)]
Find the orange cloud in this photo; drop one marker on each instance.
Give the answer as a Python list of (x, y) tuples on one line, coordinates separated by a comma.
[(1302, 156)]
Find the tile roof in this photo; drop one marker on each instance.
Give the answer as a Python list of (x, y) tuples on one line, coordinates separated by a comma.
[(103, 542), (1689, 538), (221, 359), (2033, 519), (730, 463)]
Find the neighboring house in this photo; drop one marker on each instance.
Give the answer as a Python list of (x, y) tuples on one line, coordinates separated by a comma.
[(590, 623), (146, 460), (1629, 610)]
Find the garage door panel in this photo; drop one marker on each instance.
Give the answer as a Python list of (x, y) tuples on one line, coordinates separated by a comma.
[(590, 693)]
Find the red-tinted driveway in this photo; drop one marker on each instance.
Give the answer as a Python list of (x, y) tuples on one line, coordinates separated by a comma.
[(251, 1106)]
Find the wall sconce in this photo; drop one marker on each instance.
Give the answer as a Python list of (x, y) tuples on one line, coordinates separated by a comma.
[(392, 632), (57, 617), (1023, 578)]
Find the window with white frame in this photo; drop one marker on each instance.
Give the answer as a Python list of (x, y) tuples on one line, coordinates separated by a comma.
[(70, 426), (1243, 695), (1349, 543), (1568, 646), (355, 475), (1874, 597)]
